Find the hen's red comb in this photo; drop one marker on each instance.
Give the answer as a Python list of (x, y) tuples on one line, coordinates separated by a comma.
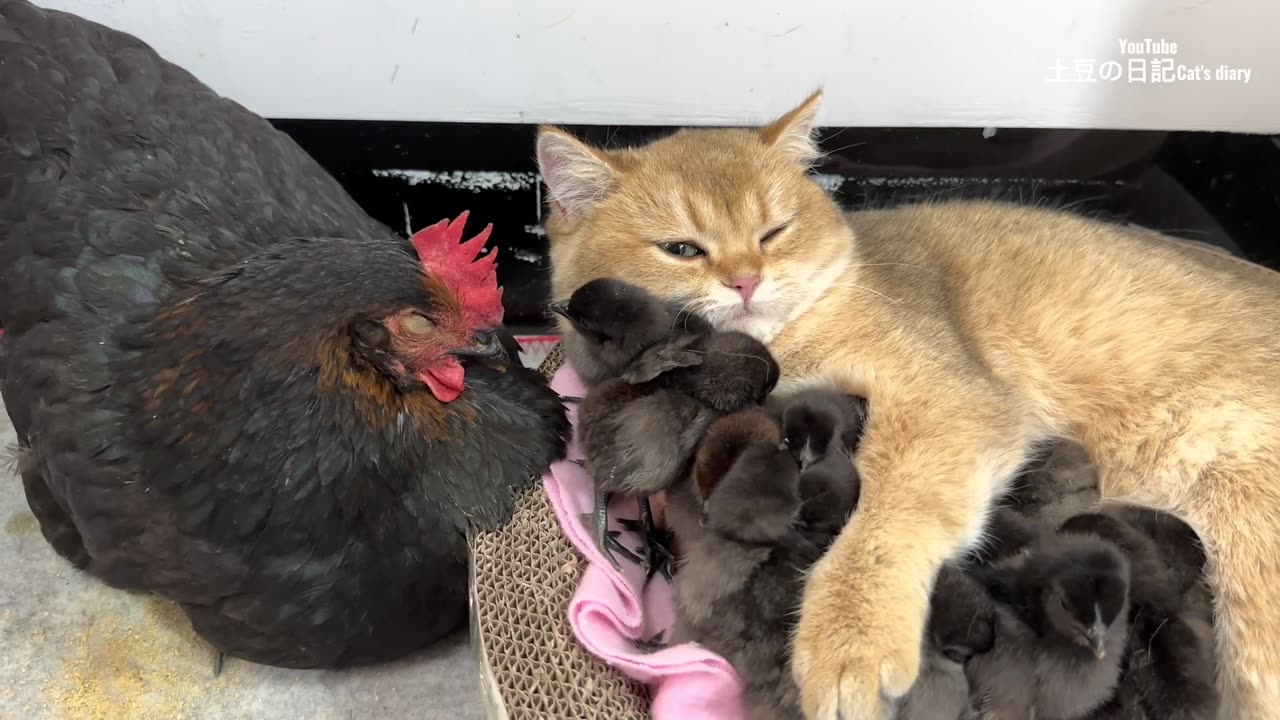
[(453, 262)]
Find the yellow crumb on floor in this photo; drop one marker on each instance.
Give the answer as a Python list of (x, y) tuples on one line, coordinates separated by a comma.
[(142, 666), (22, 523)]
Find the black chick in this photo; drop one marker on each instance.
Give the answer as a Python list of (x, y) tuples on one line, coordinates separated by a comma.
[(1175, 541), (1006, 533), (613, 322), (821, 428), (636, 442), (961, 625), (1062, 610), (744, 560), (1058, 483), (640, 427), (1169, 661)]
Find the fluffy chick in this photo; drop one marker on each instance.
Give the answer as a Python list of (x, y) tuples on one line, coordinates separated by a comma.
[(1169, 657), (961, 625), (821, 429), (613, 322), (1176, 543), (637, 442), (638, 430), (815, 418), (742, 572), (735, 372), (1062, 610), (1058, 483), (1006, 533)]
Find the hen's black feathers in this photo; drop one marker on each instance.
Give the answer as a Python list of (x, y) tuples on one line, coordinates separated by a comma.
[(181, 290)]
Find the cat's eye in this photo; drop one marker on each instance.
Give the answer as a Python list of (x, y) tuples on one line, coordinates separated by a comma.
[(682, 249), (775, 232), (416, 324)]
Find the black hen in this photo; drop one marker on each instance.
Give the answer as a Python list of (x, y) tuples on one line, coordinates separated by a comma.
[(230, 385)]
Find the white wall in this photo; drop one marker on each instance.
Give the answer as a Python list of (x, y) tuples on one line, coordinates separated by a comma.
[(883, 62)]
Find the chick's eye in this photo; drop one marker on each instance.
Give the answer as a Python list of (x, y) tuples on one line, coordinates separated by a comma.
[(1062, 603), (775, 232), (418, 324), (682, 249)]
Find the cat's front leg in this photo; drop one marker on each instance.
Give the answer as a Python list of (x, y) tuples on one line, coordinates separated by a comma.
[(928, 478)]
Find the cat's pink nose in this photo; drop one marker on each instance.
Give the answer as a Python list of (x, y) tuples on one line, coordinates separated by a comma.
[(745, 285)]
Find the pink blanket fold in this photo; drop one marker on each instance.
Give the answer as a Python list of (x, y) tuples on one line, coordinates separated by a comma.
[(612, 610)]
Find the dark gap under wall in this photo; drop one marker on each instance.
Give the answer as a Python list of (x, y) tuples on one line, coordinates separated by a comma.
[(1214, 187)]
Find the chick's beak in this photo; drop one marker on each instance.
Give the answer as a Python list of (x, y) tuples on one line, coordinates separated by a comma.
[(1097, 637), (559, 308), (808, 456)]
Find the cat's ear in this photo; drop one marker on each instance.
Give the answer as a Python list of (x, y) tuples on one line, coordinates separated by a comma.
[(577, 176), (794, 132)]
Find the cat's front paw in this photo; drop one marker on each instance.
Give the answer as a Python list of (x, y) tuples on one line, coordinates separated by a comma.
[(857, 646)]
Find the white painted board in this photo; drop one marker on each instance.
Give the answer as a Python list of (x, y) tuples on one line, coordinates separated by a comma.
[(998, 63)]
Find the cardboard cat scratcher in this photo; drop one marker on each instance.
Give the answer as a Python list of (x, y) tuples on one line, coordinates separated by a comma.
[(522, 579)]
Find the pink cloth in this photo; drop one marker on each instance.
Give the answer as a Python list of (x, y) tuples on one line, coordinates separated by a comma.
[(611, 610)]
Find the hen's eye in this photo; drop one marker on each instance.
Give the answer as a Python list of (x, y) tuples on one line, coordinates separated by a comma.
[(772, 233), (417, 324), (682, 249)]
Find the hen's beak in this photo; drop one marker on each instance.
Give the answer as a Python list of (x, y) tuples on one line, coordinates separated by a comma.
[(559, 308), (488, 345)]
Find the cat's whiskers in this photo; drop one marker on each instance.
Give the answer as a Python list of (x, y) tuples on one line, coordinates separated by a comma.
[(757, 358), (855, 286), (689, 307), (887, 264)]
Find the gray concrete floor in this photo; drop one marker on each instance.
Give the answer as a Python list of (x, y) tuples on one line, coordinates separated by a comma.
[(74, 649)]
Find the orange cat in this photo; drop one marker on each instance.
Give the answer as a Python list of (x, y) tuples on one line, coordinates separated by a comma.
[(976, 330)]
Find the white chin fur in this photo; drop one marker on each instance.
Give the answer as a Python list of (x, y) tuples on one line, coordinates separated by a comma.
[(759, 325)]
